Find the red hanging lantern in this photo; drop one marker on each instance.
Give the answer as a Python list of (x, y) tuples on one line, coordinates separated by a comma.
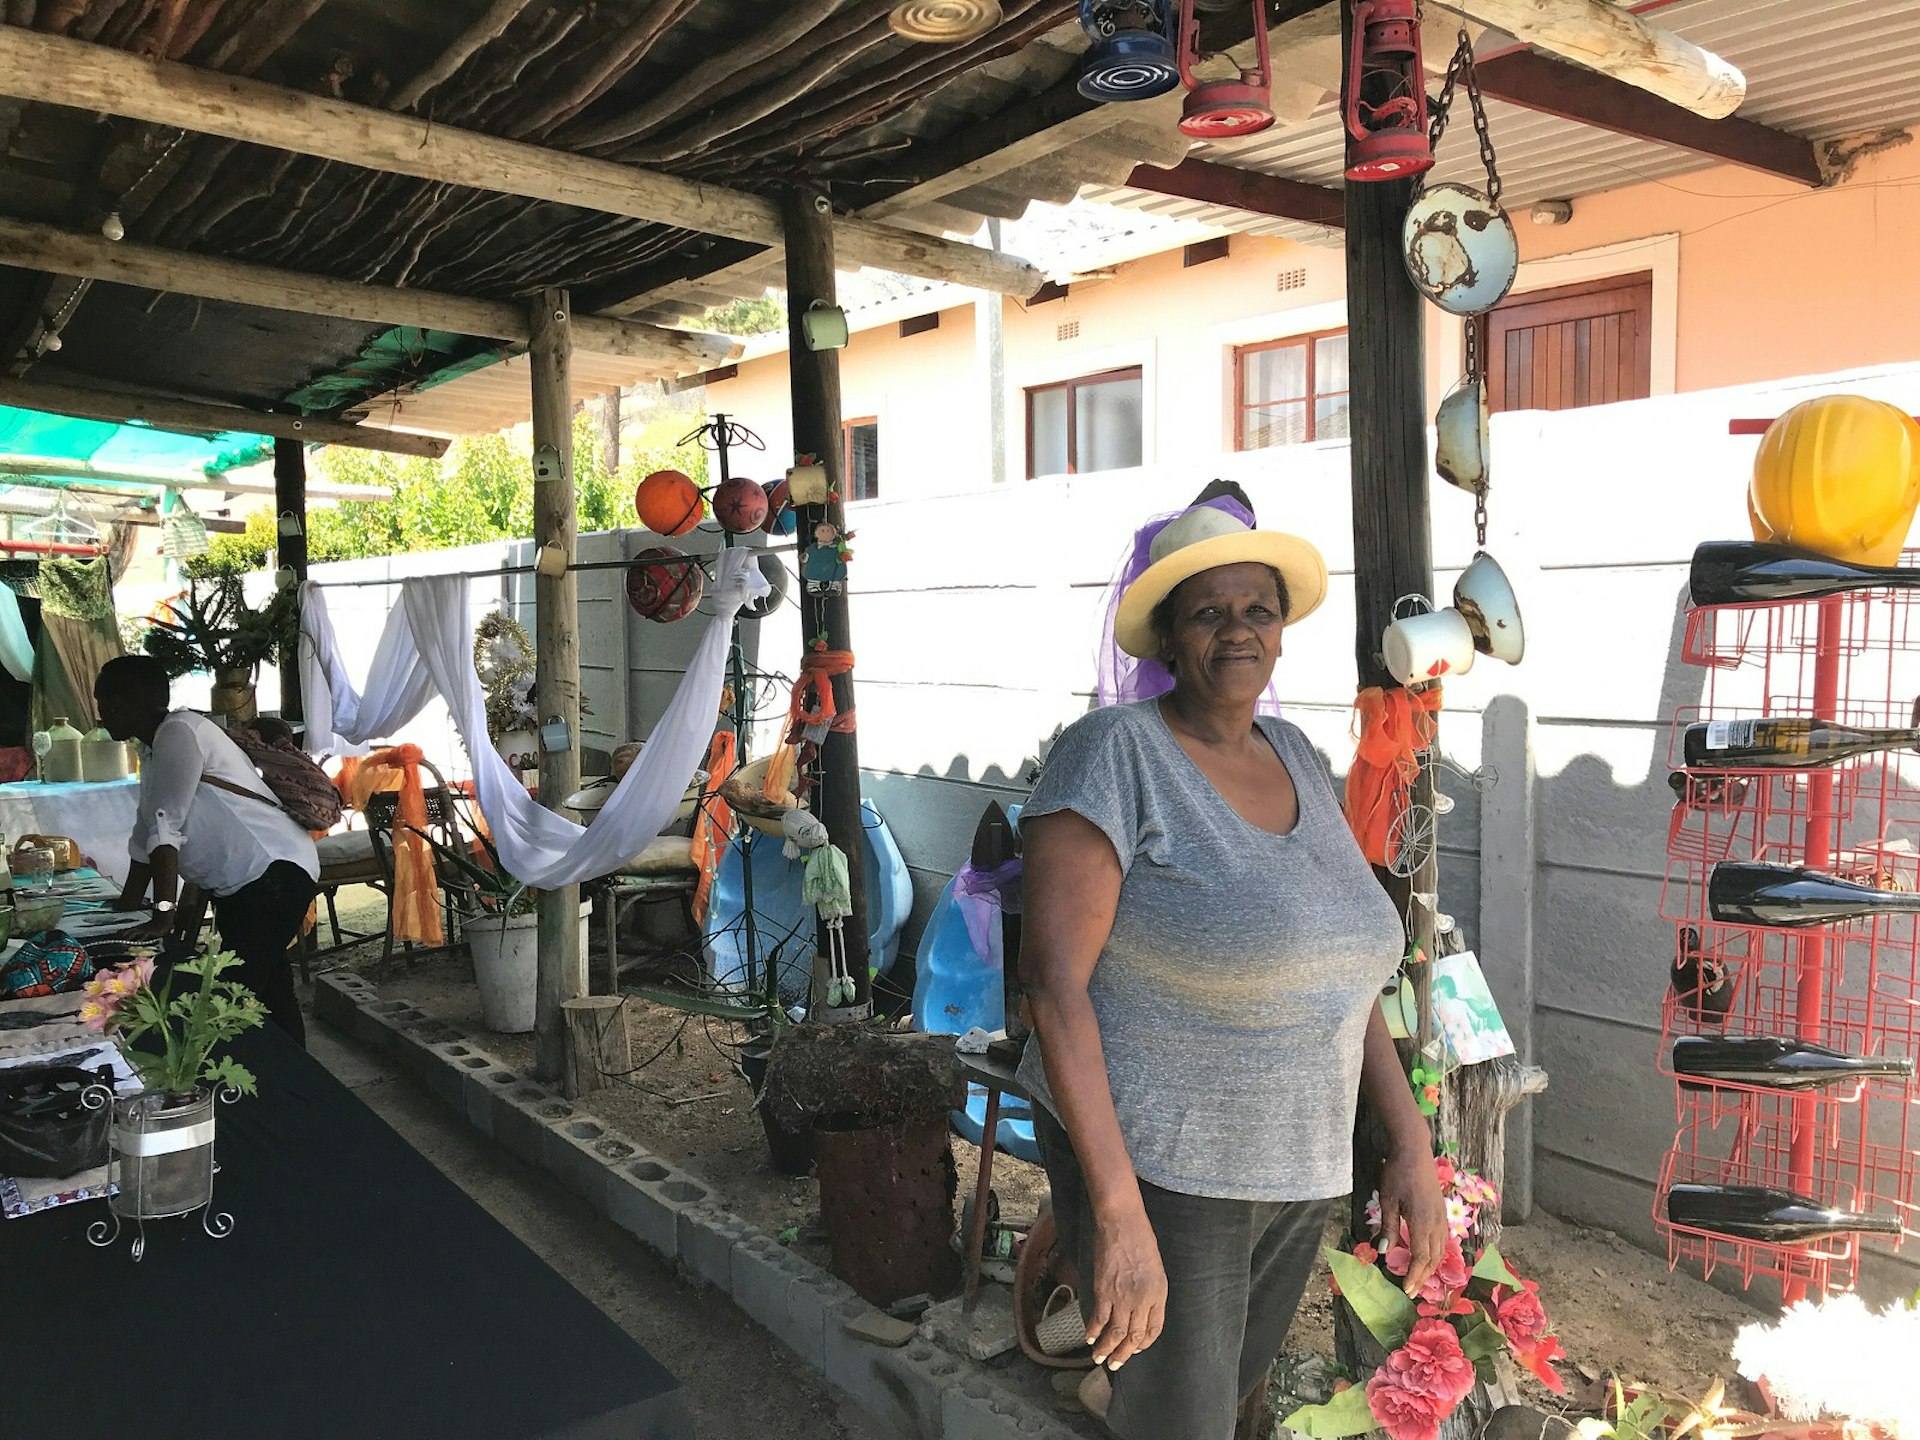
[(1224, 109), (1386, 99)]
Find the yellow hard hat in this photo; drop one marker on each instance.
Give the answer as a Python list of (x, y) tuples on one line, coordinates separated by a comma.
[(1839, 475)]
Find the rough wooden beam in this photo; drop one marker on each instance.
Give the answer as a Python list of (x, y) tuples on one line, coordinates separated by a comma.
[(41, 247), (1244, 190), (1536, 81), (1617, 42), (57, 71), (187, 417)]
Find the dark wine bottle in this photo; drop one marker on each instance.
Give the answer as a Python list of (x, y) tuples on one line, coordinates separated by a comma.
[(1784, 744), (1748, 572), (1701, 981), (1742, 892), (1777, 1217), (1775, 1063)]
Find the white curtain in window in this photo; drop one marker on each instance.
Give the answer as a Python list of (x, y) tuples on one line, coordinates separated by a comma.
[(427, 649)]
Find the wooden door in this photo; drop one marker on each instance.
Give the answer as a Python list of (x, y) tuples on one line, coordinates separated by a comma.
[(1588, 344)]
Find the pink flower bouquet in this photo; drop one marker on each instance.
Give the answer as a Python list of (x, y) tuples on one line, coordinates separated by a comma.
[(125, 1002), (1440, 1342)]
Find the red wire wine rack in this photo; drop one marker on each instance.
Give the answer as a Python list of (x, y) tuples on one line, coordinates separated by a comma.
[(1852, 987)]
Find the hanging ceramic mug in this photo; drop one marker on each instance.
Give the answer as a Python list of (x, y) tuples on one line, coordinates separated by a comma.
[(1485, 598), (1430, 646)]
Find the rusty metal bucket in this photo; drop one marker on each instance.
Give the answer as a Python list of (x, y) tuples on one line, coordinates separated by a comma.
[(886, 1197)]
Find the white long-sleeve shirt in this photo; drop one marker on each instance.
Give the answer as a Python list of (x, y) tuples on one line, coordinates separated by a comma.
[(225, 840)]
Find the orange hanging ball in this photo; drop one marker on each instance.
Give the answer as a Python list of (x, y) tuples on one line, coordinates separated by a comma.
[(668, 503), (1838, 475)]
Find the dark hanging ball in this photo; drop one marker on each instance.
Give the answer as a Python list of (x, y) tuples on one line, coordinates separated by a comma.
[(664, 584)]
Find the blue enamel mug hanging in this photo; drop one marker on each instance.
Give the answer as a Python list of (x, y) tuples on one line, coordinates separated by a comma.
[(1133, 51)]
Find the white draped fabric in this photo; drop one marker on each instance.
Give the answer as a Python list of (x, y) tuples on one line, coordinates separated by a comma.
[(16, 651), (427, 648)]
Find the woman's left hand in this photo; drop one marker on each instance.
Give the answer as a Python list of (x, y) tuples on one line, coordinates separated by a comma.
[(1410, 1195)]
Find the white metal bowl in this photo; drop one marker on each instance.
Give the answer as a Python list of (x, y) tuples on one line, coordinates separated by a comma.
[(1484, 595)]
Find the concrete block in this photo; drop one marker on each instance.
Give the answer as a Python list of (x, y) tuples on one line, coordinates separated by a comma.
[(570, 1157), (704, 1239), (333, 1003), (523, 1117), (899, 1389), (976, 1409), (983, 1335), (482, 1090), (787, 1294)]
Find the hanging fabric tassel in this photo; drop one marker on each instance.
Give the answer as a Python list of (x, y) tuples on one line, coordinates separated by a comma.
[(1390, 727)]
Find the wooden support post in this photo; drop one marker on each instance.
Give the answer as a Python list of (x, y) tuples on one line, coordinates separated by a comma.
[(814, 377), (598, 1046), (290, 508), (563, 968)]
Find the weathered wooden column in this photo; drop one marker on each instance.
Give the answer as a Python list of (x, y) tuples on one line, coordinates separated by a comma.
[(290, 508), (563, 968), (814, 376)]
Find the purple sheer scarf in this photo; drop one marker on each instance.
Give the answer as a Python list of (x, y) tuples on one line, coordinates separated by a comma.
[(981, 895), (1122, 677)]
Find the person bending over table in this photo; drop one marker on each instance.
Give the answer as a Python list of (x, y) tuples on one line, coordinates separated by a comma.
[(1203, 950), (205, 815)]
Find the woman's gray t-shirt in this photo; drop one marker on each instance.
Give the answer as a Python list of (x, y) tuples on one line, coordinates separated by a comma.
[(1234, 990)]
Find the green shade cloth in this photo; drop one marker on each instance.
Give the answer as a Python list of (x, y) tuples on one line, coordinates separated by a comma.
[(406, 356), (126, 447)]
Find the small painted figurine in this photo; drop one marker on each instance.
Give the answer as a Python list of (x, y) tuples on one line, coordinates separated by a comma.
[(825, 566)]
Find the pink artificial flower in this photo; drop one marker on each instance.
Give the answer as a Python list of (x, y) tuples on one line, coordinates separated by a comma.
[(1519, 1313), (1365, 1253), (1399, 1256), (1443, 1167), (1374, 1221), (142, 972), (1449, 1278), (1475, 1190), (97, 1014), (1432, 1361), (1404, 1412), (1523, 1320), (1460, 1217)]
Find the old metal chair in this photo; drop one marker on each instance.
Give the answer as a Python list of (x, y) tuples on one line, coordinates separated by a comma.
[(443, 828)]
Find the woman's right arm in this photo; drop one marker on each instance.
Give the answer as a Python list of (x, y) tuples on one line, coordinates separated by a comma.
[(1070, 891)]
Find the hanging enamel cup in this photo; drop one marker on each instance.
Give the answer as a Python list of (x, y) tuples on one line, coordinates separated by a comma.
[(1485, 598), (1429, 646), (1460, 437), (1460, 249)]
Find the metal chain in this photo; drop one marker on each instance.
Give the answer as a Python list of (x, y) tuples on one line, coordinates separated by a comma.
[(1459, 67), (1476, 374)]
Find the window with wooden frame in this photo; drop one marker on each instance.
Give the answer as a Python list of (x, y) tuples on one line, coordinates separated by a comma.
[(861, 457), (1291, 391), (1091, 423), (1574, 345)]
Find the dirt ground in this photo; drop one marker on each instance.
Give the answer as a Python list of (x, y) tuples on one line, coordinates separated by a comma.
[(1618, 1310)]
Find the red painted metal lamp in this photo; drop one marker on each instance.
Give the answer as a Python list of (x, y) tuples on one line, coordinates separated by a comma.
[(1386, 97), (1224, 109)]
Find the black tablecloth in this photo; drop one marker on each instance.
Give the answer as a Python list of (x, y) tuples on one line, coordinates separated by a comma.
[(361, 1295)]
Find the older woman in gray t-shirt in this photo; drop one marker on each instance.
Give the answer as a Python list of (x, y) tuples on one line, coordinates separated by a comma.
[(1203, 949)]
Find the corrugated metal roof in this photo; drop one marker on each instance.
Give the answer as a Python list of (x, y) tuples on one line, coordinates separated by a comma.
[(1820, 71)]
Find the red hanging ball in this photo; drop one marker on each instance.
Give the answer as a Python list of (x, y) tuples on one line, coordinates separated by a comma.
[(780, 518), (668, 503), (740, 505), (665, 584)]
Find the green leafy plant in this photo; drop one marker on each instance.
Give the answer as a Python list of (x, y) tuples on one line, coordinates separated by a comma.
[(492, 890), (125, 1001), (211, 627)]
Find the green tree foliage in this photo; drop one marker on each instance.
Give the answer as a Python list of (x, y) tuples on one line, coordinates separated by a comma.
[(746, 317), (481, 491)]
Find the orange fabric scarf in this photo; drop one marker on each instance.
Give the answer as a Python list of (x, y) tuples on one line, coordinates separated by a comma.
[(1391, 727), (714, 823), (416, 888)]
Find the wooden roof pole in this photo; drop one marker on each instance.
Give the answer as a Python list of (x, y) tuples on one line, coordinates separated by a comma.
[(58, 71), (186, 417), (562, 965), (1617, 42), (42, 247)]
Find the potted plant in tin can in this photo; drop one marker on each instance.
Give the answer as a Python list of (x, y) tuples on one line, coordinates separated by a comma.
[(160, 1159)]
